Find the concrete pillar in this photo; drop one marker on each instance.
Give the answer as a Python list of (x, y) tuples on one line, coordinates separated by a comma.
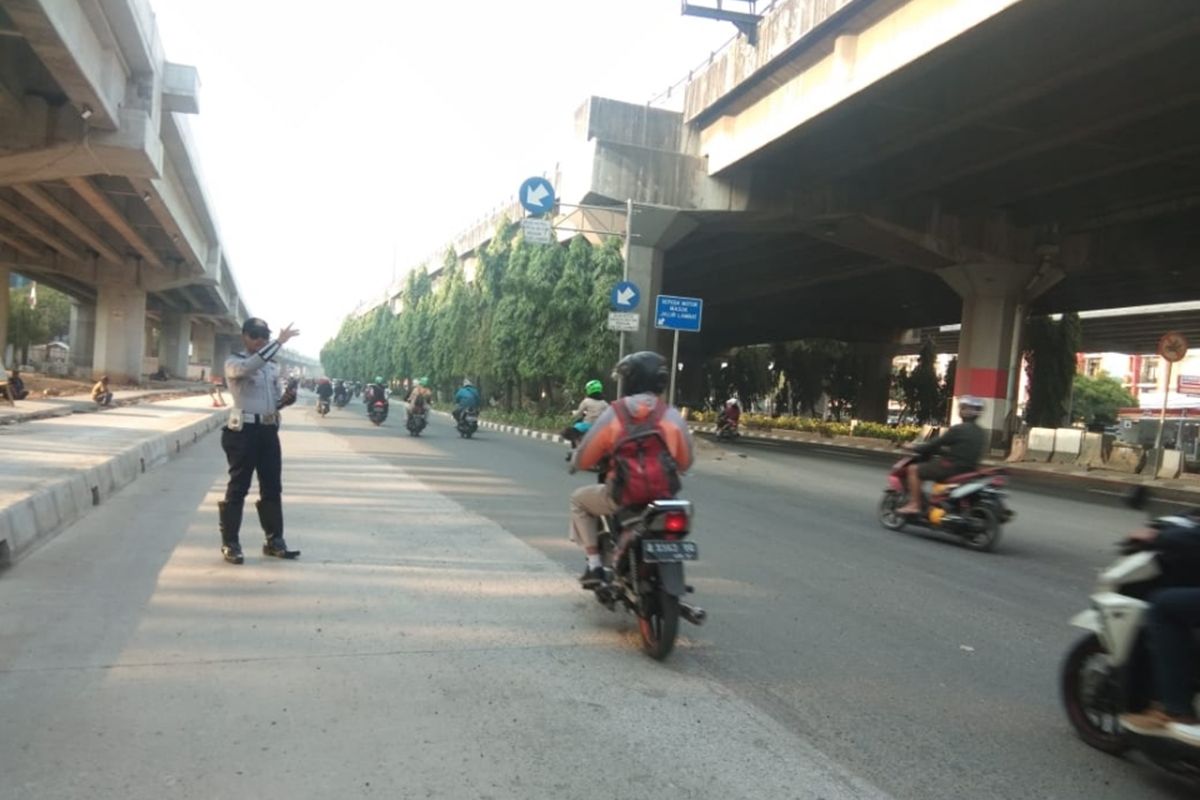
[(174, 342), (81, 336), (874, 364), (120, 332), (204, 338), (5, 277), (646, 271), (223, 345), (995, 298)]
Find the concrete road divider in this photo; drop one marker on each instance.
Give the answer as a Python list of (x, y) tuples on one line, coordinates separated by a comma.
[(1040, 445), (1091, 451), (1067, 444), (55, 470)]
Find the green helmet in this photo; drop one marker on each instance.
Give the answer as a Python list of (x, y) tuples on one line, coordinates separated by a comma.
[(593, 387), (424, 381), (379, 379)]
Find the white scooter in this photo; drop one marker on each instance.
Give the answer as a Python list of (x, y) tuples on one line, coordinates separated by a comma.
[(1106, 672)]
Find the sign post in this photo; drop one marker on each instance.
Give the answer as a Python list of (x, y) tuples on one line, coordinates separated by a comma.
[(1172, 347), (677, 314)]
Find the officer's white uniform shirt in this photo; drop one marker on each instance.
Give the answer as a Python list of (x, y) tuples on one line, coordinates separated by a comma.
[(254, 380)]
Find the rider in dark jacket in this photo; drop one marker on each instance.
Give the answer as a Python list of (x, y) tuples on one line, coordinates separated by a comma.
[(956, 451), (1170, 624)]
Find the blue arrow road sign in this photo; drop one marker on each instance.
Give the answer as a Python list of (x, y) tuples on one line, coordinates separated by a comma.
[(678, 313), (536, 196), (625, 296)]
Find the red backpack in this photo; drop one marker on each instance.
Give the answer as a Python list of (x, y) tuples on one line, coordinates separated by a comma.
[(643, 467)]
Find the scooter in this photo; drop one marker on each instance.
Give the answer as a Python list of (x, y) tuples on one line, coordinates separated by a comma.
[(970, 506), (1106, 672), (468, 422), (322, 406), (378, 411), (415, 423)]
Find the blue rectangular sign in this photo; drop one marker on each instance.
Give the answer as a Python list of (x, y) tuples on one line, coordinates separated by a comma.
[(678, 313)]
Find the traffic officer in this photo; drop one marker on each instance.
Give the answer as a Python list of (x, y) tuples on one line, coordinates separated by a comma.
[(250, 439)]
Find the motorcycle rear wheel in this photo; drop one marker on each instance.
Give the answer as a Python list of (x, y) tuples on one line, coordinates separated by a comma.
[(659, 625), (1090, 698), (887, 510)]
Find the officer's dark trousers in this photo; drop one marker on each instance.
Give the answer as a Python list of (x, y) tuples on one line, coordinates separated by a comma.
[(255, 448)]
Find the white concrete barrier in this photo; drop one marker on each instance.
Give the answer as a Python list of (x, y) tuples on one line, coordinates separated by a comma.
[(1091, 451), (1171, 466), (1067, 444), (1040, 445)]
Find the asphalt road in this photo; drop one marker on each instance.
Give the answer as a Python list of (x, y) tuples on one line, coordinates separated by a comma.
[(927, 669)]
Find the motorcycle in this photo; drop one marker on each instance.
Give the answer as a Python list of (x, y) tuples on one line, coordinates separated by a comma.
[(378, 411), (415, 423), (322, 406), (340, 400), (1106, 672), (468, 422), (970, 506), (727, 429), (643, 550)]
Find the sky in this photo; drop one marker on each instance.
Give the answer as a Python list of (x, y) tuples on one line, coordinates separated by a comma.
[(342, 143)]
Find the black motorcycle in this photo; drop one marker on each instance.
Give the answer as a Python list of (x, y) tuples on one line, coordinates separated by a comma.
[(643, 550), (416, 423), (377, 412), (468, 422), (322, 406), (340, 400)]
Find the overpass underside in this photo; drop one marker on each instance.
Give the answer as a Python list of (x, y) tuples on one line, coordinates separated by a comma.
[(1042, 157)]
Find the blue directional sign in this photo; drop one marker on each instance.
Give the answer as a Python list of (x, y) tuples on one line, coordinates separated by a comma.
[(625, 296), (678, 313), (536, 196)]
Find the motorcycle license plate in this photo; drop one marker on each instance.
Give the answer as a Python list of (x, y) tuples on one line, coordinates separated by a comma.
[(657, 551)]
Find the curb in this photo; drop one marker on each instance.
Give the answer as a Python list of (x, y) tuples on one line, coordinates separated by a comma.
[(37, 518)]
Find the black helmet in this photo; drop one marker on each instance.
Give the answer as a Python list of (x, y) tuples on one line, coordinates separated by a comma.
[(642, 372)]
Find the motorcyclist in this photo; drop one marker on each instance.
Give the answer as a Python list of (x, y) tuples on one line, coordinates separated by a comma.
[(730, 415), (590, 408), (1173, 616), (341, 394), (324, 390), (419, 398), (956, 451), (373, 391), (644, 376), (465, 399)]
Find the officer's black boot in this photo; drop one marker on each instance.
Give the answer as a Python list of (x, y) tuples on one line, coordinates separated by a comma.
[(230, 515), (270, 514)]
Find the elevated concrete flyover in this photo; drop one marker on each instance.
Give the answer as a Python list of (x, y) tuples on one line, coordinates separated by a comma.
[(99, 191), (872, 163)]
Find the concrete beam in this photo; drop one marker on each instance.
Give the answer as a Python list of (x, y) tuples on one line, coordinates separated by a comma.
[(51, 208), (104, 207), (168, 202), (133, 151), (181, 88), (64, 39), (34, 229)]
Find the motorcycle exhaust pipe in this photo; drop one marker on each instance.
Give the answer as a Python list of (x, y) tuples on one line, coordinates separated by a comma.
[(693, 614)]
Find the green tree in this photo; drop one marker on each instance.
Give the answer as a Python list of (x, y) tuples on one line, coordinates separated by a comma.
[(1096, 401), (30, 324), (922, 391), (1050, 357)]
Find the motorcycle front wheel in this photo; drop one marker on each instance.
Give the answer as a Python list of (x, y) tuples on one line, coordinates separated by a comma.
[(887, 510), (1091, 697), (659, 623)]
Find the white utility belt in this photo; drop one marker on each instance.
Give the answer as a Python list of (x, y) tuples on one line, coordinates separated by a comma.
[(238, 418)]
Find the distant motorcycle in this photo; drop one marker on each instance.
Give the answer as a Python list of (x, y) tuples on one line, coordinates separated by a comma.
[(340, 400), (378, 411), (322, 406), (468, 422), (1105, 673), (970, 506), (415, 423)]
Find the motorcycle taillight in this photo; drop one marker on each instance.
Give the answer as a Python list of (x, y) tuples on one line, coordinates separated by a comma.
[(675, 522), (999, 480)]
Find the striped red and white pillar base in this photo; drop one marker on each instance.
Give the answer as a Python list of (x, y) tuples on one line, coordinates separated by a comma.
[(995, 298)]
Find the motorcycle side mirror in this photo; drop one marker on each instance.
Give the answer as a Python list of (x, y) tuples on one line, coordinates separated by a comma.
[(1138, 498)]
